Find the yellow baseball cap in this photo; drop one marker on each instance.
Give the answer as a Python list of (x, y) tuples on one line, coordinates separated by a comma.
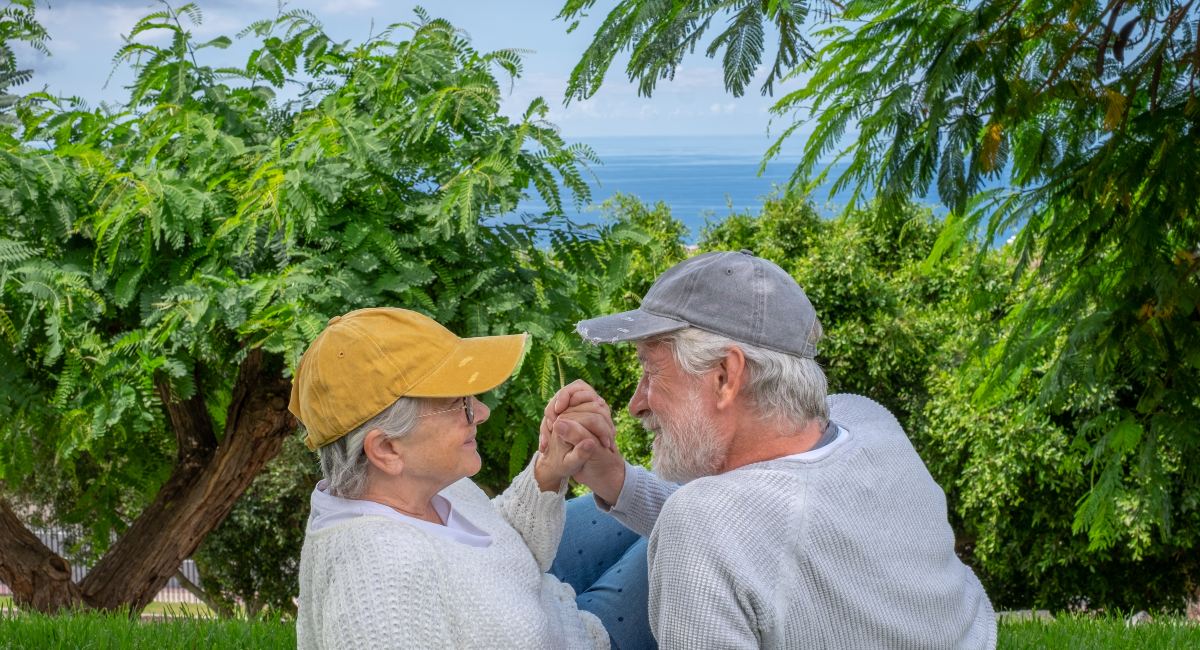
[(364, 361)]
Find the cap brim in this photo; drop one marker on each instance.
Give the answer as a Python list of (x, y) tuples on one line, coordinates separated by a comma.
[(631, 325), (476, 366)]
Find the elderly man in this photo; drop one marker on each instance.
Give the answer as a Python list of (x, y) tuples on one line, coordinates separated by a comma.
[(803, 520)]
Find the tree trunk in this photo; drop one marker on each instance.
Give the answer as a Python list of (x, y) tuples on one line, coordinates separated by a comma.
[(37, 576), (207, 480)]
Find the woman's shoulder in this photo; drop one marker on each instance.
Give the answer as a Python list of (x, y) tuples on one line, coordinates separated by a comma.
[(465, 490), (369, 533), (374, 544), (469, 499)]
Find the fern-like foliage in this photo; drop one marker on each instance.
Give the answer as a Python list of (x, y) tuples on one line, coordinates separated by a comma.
[(659, 34), (1085, 113), (18, 24), (145, 250), (1090, 125)]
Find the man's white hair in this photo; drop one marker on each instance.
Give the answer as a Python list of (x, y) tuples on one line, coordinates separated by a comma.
[(781, 386), (343, 462)]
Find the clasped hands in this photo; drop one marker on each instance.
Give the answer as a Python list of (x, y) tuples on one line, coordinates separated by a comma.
[(577, 439)]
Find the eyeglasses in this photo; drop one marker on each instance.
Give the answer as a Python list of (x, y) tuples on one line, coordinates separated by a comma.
[(466, 406)]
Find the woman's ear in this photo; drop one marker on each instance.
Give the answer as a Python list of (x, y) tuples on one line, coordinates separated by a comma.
[(383, 453)]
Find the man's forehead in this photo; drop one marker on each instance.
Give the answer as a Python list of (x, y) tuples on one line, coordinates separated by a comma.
[(650, 352)]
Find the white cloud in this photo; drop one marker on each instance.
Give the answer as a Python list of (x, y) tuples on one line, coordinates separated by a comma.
[(346, 6), (689, 79), (86, 33)]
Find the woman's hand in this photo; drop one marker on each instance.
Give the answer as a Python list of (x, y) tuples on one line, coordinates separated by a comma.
[(562, 459)]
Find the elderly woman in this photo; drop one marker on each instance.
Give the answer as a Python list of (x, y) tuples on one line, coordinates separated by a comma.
[(402, 549)]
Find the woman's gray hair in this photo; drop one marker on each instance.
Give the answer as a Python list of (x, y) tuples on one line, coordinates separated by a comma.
[(782, 386), (343, 462)]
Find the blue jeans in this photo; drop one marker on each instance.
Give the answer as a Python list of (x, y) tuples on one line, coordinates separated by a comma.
[(605, 563)]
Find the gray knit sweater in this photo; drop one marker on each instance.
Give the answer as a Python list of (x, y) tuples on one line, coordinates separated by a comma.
[(845, 548)]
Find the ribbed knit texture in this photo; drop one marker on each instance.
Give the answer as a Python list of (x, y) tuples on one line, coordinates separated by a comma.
[(851, 549), (378, 583)]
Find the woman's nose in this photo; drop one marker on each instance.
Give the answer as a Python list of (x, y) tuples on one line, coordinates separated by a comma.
[(482, 412)]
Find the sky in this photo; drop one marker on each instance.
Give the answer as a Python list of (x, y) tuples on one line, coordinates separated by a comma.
[(85, 34)]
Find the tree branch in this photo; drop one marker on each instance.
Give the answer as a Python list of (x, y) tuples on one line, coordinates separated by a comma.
[(1066, 57), (195, 590), (190, 420)]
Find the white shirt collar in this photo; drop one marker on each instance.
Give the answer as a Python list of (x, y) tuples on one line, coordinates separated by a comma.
[(328, 510)]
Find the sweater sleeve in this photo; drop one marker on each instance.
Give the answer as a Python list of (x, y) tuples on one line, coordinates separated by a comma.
[(537, 516), (699, 561), (642, 497)]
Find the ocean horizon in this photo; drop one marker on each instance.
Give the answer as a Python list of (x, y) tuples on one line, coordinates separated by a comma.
[(701, 179)]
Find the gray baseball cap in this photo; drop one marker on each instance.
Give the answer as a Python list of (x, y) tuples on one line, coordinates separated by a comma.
[(736, 295)]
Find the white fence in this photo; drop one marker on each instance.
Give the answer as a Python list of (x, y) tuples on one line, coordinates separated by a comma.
[(62, 541)]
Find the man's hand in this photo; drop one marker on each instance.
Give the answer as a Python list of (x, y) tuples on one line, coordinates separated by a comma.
[(604, 471), (576, 415), (577, 394)]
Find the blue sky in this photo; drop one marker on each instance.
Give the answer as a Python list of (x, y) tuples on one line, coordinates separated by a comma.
[(86, 33)]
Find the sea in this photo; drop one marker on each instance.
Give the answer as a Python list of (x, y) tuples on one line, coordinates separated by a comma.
[(701, 179)]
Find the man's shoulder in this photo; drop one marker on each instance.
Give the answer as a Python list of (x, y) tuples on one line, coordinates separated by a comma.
[(729, 486), (723, 520), (714, 500), (857, 412)]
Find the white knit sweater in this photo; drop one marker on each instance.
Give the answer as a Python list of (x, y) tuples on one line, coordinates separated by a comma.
[(374, 582), (848, 547)]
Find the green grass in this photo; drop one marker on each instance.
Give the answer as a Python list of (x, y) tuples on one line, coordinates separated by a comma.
[(1078, 632), (188, 610), (174, 610), (113, 631), (105, 631)]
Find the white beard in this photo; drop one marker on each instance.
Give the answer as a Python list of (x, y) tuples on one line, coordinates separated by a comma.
[(685, 447)]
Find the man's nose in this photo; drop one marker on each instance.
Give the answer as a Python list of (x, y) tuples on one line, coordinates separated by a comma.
[(638, 405)]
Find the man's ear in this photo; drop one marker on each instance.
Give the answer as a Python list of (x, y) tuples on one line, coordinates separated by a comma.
[(730, 376), (385, 455)]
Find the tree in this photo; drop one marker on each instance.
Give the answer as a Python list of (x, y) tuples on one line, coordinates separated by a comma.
[(164, 264), (1087, 114)]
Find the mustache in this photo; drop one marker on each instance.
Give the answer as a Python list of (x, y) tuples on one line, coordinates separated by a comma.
[(650, 423)]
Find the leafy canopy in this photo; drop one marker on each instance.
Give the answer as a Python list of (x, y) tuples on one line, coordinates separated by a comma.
[(1087, 114), (146, 250), (659, 33)]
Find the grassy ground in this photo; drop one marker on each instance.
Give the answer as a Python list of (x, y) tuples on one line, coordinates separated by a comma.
[(113, 631), (1109, 633), (163, 610), (104, 631)]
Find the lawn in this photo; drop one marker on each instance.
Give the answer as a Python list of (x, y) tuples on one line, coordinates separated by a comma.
[(116, 631), (165, 610), (1078, 632)]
